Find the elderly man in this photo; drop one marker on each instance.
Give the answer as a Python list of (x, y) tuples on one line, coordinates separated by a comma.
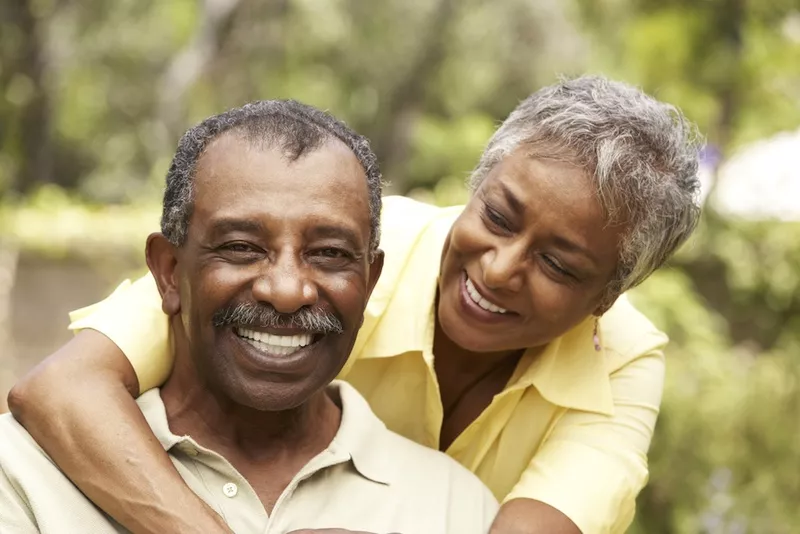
[(267, 257)]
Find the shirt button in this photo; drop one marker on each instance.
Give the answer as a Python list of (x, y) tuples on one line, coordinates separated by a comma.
[(230, 489)]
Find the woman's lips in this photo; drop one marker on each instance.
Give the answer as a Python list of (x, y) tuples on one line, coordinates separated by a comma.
[(479, 299), (472, 309)]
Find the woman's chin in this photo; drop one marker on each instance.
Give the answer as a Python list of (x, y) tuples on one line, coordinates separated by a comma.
[(469, 338)]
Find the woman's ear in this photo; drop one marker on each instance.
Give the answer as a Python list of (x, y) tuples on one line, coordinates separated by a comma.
[(162, 260), (605, 305)]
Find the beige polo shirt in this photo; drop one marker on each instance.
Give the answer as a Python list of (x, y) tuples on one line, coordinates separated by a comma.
[(368, 479)]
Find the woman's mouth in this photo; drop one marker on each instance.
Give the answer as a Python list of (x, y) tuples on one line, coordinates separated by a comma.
[(480, 300)]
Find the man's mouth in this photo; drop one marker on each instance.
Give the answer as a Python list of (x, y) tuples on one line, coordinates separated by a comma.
[(279, 345), (480, 300)]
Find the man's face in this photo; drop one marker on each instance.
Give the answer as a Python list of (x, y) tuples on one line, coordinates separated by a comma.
[(287, 244)]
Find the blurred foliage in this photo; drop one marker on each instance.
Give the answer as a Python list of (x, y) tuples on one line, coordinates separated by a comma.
[(731, 65), (54, 224), (93, 97), (724, 459)]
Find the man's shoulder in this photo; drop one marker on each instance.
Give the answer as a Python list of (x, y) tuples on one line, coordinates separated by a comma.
[(402, 462), (21, 458), (416, 467), (37, 492), (19, 452), (418, 463), (14, 436), (440, 481)]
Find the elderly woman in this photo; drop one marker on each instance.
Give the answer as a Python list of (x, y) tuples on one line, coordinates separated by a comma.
[(498, 332)]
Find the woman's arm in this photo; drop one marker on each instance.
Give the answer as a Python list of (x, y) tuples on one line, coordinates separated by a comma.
[(586, 476), (527, 516), (78, 405)]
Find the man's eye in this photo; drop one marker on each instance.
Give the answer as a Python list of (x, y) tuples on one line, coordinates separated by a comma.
[(238, 247), (333, 253), (331, 257), (239, 252)]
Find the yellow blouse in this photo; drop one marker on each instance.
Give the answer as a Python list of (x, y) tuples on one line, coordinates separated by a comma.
[(571, 429)]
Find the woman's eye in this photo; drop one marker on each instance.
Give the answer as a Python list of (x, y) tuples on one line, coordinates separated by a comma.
[(555, 266), (495, 218)]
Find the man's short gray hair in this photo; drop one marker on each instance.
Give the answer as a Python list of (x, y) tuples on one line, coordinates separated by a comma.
[(294, 128), (641, 153)]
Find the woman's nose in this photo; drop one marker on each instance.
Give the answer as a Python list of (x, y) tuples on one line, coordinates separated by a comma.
[(503, 268)]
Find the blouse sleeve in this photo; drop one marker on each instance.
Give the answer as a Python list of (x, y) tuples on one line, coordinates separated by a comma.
[(593, 466), (132, 318)]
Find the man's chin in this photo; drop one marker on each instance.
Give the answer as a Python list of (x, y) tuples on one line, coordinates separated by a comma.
[(272, 396)]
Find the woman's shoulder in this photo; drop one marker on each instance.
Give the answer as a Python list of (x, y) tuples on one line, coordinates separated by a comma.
[(407, 228), (404, 219), (627, 334)]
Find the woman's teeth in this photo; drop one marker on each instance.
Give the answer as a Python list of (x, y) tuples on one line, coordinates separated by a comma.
[(480, 301), (279, 345)]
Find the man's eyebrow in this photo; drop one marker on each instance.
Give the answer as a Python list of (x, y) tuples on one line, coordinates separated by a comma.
[(332, 231), (229, 224)]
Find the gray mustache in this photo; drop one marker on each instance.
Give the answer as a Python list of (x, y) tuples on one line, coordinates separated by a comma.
[(265, 316)]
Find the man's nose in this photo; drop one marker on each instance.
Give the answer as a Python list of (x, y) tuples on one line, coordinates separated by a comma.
[(503, 268), (285, 284)]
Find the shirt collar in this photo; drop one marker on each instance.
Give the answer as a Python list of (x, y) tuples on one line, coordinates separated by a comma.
[(156, 416), (360, 435), (569, 371)]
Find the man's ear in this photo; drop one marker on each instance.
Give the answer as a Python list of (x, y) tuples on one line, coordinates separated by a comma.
[(375, 268), (162, 260)]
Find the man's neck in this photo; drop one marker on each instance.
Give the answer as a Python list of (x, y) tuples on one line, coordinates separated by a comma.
[(268, 449), (216, 422)]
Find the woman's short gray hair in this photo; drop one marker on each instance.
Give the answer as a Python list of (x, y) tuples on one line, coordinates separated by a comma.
[(642, 154)]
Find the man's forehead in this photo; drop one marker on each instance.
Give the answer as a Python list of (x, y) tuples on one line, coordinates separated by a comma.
[(239, 180), (238, 152)]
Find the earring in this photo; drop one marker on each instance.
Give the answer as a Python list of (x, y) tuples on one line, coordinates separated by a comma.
[(595, 336)]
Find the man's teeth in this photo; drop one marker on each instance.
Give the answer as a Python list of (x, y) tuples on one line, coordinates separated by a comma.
[(480, 301), (280, 345)]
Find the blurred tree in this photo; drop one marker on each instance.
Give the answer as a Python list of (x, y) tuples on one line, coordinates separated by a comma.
[(102, 94), (731, 303), (26, 128), (731, 65)]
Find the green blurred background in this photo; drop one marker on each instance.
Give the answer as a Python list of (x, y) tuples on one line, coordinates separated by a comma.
[(94, 94)]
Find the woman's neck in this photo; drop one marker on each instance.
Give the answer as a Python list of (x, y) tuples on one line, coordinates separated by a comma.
[(454, 359), (468, 381)]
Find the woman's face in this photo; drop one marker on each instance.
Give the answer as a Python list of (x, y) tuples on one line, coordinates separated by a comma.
[(528, 259)]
